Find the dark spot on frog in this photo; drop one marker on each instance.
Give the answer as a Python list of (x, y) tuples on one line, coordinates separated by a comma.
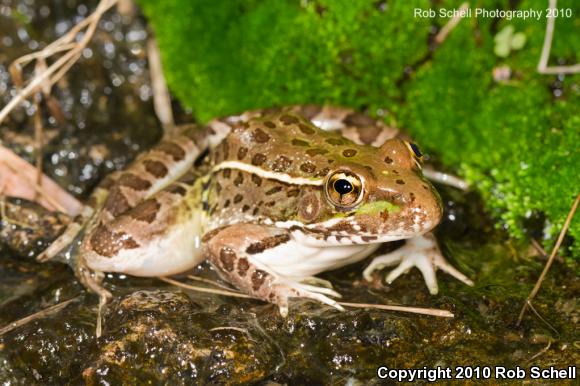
[(134, 182), (288, 119), (172, 149), (242, 151), (258, 278), (281, 164), (299, 142), (306, 129), (238, 198), (177, 189), (260, 136), (226, 204), (271, 203), (239, 179), (258, 159), (400, 182), (293, 193), (274, 190), (227, 173), (349, 153), (245, 208), (107, 243), (412, 196), (384, 215), (270, 124), (368, 239), (267, 243), (336, 141), (323, 172), (256, 180), (227, 258), (395, 171), (255, 211), (308, 167), (316, 151), (218, 187), (388, 160), (426, 187), (226, 147), (243, 266), (116, 202), (146, 211), (155, 168)]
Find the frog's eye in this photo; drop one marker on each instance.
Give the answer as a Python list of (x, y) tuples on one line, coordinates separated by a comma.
[(344, 189), (415, 152)]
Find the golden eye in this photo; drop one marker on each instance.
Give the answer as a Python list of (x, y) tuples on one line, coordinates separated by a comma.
[(344, 189), (415, 152)]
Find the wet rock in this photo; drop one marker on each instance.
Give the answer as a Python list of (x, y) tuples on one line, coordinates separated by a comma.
[(165, 337), (26, 228)]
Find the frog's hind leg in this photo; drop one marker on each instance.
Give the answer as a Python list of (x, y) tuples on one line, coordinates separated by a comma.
[(92, 280), (230, 250)]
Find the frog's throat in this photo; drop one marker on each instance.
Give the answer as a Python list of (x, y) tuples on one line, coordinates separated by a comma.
[(282, 177)]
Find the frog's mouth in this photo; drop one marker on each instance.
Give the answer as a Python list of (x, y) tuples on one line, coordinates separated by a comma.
[(354, 230)]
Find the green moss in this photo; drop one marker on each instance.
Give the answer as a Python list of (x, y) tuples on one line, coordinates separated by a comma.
[(515, 141)]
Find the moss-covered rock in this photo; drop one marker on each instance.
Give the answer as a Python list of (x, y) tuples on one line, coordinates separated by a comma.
[(515, 139)]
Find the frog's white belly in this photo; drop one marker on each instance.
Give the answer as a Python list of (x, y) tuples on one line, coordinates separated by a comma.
[(176, 251), (296, 260)]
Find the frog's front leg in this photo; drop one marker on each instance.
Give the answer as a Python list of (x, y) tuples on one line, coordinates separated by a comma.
[(421, 252), (234, 251)]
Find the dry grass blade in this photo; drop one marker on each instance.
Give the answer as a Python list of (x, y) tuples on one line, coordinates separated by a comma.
[(37, 315), (442, 35), (161, 98), (536, 288), (204, 289), (414, 310), (56, 70), (547, 47)]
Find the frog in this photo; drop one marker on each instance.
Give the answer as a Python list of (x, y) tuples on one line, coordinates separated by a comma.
[(271, 198)]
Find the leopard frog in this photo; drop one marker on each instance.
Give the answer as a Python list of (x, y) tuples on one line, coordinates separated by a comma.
[(271, 198)]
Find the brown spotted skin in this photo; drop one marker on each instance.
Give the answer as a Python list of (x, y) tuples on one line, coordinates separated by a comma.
[(241, 212), (287, 143), (230, 250)]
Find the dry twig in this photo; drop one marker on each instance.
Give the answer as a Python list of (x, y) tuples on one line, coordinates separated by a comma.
[(536, 288), (37, 315), (161, 98), (414, 310), (452, 23), (52, 74), (547, 47)]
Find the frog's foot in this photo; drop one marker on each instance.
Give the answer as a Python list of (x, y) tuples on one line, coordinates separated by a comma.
[(92, 281), (421, 252), (281, 291), (232, 251)]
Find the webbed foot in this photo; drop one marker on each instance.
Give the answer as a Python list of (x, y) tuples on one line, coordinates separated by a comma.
[(421, 252)]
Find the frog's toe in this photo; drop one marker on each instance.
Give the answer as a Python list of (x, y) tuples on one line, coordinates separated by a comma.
[(381, 262), (444, 265), (423, 263), (300, 290), (317, 281)]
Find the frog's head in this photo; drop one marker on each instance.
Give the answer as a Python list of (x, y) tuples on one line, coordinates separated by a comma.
[(379, 195)]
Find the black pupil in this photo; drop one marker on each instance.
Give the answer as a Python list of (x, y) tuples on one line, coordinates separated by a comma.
[(416, 150), (343, 186)]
